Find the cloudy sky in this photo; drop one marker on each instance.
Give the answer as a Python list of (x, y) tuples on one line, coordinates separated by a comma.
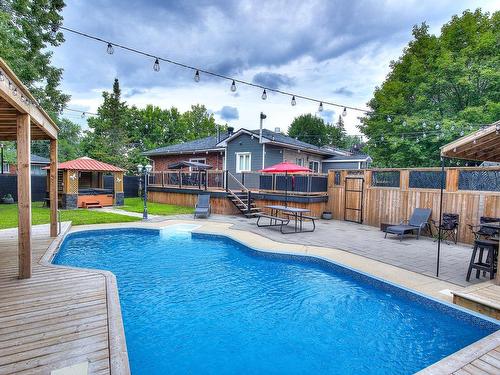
[(333, 50)]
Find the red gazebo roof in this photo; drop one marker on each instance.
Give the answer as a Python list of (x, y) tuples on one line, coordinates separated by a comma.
[(88, 164), (285, 167)]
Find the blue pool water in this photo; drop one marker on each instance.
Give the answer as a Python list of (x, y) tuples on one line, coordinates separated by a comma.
[(200, 304)]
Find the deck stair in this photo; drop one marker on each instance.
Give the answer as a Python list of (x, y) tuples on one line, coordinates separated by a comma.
[(241, 200), (95, 204)]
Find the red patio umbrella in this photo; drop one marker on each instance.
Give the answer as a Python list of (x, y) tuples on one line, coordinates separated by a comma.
[(286, 167)]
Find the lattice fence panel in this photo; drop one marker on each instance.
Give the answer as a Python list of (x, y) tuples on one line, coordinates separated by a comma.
[(385, 178), (479, 180), (426, 180)]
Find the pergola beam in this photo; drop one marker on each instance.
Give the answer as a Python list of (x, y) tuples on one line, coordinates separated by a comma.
[(24, 195), (53, 194)]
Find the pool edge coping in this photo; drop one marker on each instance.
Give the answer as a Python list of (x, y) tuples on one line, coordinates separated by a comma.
[(118, 353), (117, 345)]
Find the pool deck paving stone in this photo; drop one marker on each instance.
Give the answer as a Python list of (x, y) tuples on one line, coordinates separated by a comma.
[(113, 350)]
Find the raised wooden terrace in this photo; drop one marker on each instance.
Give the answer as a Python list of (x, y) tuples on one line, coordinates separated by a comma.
[(58, 318)]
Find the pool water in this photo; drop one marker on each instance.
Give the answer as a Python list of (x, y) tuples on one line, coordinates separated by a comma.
[(201, 304)]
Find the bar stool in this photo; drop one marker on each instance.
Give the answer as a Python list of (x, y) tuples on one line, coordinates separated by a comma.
[(487, 265)]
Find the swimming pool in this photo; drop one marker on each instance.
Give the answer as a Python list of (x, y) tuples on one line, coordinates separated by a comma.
[(195, 303)]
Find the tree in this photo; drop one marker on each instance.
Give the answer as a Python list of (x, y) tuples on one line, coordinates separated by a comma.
[(107, 140), (69, 140), (440, 88), (26, 30), (310, 129), (336, 134), (197, 123)]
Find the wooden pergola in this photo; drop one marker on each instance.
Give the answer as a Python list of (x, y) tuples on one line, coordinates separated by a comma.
[(22, 120), (482, 145)]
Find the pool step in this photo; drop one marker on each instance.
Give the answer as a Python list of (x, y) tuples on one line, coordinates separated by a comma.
[(92, 205)]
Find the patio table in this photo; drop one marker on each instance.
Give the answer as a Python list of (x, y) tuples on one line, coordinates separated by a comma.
[(296, 213)]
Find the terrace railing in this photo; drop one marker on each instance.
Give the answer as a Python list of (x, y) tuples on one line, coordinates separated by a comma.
[(202, 180)]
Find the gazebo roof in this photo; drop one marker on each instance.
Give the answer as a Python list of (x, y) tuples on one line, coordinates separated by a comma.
[(87, 164), (482, 145)]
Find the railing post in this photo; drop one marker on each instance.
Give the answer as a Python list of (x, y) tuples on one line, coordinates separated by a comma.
[(162, 179), (180, 179), (206, 179), (199, 180), (249, 196), (226, 175), (243, 178)]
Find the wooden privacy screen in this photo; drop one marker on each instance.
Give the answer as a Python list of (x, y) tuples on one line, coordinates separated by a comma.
[(391, 204)]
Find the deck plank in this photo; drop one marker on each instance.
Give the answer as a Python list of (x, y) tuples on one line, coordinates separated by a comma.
[(55, 319)]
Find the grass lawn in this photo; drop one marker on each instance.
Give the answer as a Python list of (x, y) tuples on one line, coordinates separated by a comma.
[(137, 205), (41, 215)]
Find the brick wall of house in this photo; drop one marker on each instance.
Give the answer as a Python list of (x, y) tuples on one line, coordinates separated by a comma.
[(161, 162)]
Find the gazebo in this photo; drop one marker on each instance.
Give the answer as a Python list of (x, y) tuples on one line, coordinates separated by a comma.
[(23, 120), (81, 184), (481, 145)]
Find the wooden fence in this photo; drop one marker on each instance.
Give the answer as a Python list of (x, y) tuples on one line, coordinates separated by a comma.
[(378, 196)]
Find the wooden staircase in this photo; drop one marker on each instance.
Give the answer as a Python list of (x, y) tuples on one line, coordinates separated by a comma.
[(244, 203), (93, 204)]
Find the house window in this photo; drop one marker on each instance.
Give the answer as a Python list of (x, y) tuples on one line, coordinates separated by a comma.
[(197, 160), (299, 162), (243, 162), (314, 166)]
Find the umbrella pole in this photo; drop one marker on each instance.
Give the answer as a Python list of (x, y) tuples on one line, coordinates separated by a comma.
[(286, 189)]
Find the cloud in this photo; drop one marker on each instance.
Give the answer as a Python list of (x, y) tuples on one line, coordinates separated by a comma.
[(127, 93), (228, 113), (327, 115), (273, 80), (343, 91)]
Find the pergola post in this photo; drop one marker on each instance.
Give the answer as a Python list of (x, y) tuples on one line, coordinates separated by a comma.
[(24, 194), (53, 194)]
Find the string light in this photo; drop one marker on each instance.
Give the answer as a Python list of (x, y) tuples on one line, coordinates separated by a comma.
[(233, 86), (156, 68), (110, 49), (320, 108), (2, 77), (264, 95), (83, 115), (14, 92), (293, 102), (344, 112), (156, 65), (53, 31), (389, 119), (197, 76)]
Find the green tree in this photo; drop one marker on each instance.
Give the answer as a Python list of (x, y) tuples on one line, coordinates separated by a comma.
[(69, 142), (107, 139), (336, 134), (26, 32), (197, 123), (310, 129), (440, 88)]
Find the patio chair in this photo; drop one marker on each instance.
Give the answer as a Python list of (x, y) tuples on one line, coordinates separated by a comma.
[(418, 221), (449, 227), (482, 232), (203, 207)]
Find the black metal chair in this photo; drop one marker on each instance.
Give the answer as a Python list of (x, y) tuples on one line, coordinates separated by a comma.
[(481, 231), (449, 227)]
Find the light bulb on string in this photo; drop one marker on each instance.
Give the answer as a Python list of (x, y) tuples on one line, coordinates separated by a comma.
[(156, 65), (83, 115), (293, 102), (424, 135), (110, 50), (264, 95), (424, 124), (53, 31), (344, 112), (14, 92), (461, 133), (417, 140), (389, 119), (474, 141), (233, 86), (320, 108), (437, 126), (197, 76), (2, 77), (404, 123)]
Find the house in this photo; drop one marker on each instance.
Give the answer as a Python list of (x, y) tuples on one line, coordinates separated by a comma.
[(38, 164), (250, 151)]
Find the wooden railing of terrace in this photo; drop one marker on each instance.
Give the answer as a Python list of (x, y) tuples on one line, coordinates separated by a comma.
[(391, 195)]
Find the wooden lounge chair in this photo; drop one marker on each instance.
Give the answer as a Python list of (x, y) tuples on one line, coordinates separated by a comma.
[(418, 221), (203, 207)]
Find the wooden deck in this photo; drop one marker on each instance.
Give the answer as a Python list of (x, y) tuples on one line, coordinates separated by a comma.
[(55, 319)]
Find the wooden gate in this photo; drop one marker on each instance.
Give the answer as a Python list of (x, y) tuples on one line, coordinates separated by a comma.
[(353, 198)]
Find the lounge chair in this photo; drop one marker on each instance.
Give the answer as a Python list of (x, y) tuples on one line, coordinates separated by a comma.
[(418, 221), (202, 208)]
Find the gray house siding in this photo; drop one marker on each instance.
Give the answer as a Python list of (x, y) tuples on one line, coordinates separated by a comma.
[(347, 165), (244, 143), (274, 155)]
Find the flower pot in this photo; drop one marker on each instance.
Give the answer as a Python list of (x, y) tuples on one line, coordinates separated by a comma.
[(326, 215)]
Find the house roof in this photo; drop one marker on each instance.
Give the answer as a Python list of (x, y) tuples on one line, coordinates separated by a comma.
[(88, 164), (347, 158), (202, 144), (35, 159), (278, 139)]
